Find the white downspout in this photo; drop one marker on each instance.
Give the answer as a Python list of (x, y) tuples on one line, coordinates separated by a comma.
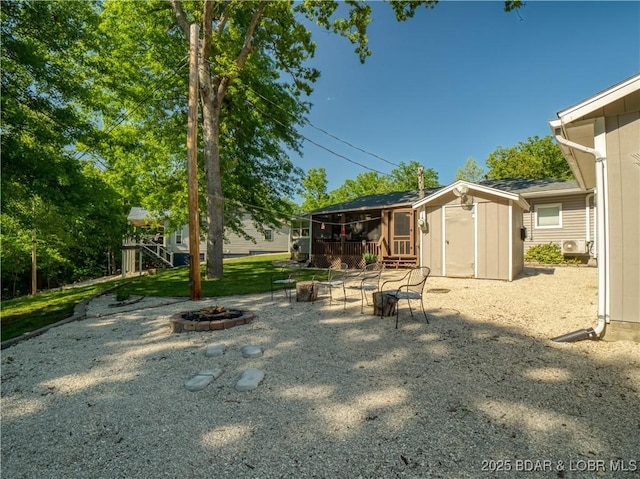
[(591, 237), (602, 246)]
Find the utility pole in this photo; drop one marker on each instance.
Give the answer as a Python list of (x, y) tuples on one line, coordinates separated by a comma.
[(192, 166), (421, 182)]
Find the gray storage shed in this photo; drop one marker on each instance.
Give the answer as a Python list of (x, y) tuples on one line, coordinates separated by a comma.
[(474, 231)]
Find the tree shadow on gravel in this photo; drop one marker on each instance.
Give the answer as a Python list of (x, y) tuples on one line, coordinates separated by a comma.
[(345, 395)]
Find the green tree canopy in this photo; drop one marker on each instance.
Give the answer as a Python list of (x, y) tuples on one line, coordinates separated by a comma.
[(535, 158), (470, 171), (253, 78), (48, 193), (402, 178), (315, 190)]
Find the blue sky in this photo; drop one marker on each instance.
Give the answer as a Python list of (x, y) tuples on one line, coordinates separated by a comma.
[(460, 80)]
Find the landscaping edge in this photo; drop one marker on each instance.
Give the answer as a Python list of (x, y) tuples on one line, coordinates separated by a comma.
[(79, 313)]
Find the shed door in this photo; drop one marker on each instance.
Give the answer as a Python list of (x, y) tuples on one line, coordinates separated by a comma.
[(459, 241)]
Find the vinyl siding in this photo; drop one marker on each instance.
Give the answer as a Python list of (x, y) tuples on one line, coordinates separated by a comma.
[(574, 221), (237, 245)]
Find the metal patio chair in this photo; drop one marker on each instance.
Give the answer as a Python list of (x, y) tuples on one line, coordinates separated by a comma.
[(367, 280), (286, 280), (410, 287), (336, 278)]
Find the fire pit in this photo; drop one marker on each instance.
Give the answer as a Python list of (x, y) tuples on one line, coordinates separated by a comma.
[(209, 319)]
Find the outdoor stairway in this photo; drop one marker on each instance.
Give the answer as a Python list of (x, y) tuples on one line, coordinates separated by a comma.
[(400, 262), (156, 254)]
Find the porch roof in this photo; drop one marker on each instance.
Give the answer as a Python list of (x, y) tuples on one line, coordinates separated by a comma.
[(374, 202)]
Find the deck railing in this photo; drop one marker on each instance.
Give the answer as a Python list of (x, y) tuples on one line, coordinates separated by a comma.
[(327, 254), (354, 248)]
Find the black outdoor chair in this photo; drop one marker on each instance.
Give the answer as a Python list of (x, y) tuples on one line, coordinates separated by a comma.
[(410, 287)]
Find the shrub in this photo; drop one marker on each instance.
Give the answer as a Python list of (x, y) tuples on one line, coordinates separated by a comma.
[(122, 294), (548, 254), (370, 258)]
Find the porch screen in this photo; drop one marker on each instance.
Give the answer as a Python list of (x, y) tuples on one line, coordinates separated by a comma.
[(402, 233)]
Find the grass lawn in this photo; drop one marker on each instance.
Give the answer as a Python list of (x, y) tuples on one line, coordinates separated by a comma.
[(246, 275)]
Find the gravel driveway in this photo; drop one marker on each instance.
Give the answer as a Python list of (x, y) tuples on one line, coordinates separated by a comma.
[(481, 391)]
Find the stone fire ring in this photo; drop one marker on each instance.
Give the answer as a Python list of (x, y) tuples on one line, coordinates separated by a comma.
[(179, 324)]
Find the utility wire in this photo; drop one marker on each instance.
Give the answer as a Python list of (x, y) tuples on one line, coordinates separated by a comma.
[(322, 130), (298, 216), (127, 113), (315, 143)]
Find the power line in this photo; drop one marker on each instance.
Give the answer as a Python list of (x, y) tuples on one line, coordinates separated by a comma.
[(299, 216), (118, 121), (322, 130), (317, 144)]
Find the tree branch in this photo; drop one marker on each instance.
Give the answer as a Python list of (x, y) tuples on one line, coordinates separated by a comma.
[(246, 49), (207, 30), (181, 18)]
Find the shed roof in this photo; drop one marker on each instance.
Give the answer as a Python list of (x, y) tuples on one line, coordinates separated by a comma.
[(473, 187)]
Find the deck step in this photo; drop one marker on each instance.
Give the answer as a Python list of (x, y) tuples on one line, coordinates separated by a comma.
[(400, 262)]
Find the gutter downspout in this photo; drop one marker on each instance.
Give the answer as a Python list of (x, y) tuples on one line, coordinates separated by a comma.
[(602, 246), (591, 236)]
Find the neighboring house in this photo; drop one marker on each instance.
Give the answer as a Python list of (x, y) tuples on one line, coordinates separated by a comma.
[(173, 249), (560, 212), (600, 139)]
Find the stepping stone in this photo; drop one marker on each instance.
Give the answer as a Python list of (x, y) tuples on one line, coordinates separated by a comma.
[(251, 351), (249, 380), (202, 379), (215, 350)]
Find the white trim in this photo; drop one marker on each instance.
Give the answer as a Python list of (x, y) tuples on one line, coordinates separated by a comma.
[(600, 100), (422, 215), (472, 186), (543, 194), (547, 205), (510, 240), (600, 144), (444, 255), (475, 240)]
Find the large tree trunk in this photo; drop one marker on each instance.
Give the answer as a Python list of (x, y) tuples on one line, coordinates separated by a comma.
[(215, 202), (213, 89)]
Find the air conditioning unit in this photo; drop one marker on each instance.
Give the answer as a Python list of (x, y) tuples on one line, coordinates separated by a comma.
[(573, 246)]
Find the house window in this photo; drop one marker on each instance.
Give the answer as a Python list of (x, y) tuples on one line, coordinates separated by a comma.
[(179, 236), (268, 235), (549, 216)]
